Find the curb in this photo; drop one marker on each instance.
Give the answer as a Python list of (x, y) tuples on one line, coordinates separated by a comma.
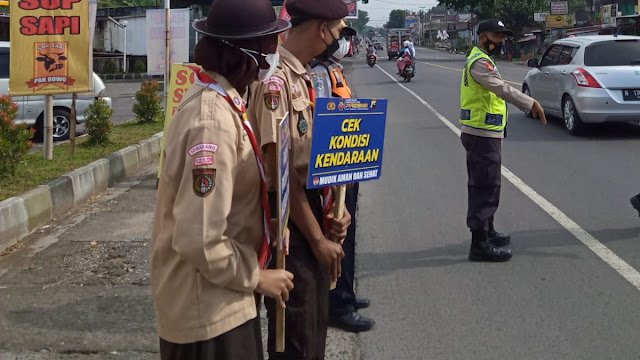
[(21, 214)]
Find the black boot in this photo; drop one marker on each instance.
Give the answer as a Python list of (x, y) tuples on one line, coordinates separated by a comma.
[(497, 238), (483, 250), (635, 202), (352, 322)]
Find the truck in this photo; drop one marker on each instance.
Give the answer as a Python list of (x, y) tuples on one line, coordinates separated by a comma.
[(395, 38)]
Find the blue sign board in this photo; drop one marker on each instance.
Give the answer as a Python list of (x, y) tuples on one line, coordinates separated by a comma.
[(348, 141)]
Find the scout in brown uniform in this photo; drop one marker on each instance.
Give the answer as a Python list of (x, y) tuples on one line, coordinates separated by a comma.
[(209, 236), (313, 259)]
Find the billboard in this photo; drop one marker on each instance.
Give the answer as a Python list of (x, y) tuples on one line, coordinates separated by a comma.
[(609, 14), (560, 21), (179, 45), (50, 47), (353, 9), (559, 8)]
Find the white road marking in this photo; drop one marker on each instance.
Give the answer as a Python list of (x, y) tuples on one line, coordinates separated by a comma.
[(604, 253)]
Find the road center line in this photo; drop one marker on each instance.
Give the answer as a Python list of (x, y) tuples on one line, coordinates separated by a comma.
[(604, 253), (460, 70)]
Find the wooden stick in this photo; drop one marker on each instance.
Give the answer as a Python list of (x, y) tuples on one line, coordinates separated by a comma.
[(280, 323), (338, 213)]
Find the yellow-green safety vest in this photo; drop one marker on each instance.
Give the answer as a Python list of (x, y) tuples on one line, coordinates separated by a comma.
[(480, 108)]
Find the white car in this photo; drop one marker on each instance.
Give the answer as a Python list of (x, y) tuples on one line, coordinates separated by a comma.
[(31, 108), (590, 79)]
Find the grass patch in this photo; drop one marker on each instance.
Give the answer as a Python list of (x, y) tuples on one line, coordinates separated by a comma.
[(33, 170)]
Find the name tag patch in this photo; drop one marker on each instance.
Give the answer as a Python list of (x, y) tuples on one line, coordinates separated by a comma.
[(203, 160), (198, 148), (493, 119)]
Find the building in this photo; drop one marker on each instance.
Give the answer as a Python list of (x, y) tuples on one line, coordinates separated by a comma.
[(108, 42)]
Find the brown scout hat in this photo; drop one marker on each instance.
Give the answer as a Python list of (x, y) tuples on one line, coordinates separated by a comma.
[(240, 19), (316, 9)]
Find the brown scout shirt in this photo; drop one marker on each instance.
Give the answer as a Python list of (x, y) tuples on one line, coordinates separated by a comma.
[(286, 91), (208, 227), (487, 75)]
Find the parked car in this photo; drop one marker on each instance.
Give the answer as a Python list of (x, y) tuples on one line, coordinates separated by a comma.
[(591, 79), (31, 108)]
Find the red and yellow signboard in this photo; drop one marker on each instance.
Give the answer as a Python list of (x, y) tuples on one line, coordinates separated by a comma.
[(49, 47)]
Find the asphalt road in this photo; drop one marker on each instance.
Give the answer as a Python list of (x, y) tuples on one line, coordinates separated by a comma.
[(556, 299)]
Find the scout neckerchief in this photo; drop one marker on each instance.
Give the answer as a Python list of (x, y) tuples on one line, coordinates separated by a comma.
[(207, 81), (327, 196)]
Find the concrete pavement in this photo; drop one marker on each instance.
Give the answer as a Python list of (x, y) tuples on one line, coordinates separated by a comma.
[(78, 288)]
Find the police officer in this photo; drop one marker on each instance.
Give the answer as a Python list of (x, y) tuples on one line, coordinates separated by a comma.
[(483, 99), (314, 260), (329, 81), (210, 236)]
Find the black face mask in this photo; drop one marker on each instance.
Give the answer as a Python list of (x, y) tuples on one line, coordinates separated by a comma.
[(331, 48), (493, 48)]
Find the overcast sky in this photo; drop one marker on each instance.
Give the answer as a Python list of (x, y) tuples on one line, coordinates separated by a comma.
[(379, 9)]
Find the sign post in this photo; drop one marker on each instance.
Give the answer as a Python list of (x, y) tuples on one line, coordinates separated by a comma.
[(347, 145), (283, 141), (559, 7), (50, 53)]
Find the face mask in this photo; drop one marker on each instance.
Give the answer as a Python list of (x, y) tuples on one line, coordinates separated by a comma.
[(271, 59), (331, 48), (343, 49), (492, 47)]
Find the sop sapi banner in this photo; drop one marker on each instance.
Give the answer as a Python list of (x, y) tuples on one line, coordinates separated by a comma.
[(50, 51)]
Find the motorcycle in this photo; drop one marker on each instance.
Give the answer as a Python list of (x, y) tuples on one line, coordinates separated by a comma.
[(406, 68), (371, 60)]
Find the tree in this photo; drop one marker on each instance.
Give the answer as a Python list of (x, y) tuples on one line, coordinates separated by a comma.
[(396, 19), (361, 23), (439, 9)]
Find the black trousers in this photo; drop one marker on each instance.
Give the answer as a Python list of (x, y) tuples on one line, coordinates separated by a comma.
[(307, 312), (342, 299), (243, 342), (484, 164)]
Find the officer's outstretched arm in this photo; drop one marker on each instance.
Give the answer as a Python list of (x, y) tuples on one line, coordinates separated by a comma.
[(487, 75)]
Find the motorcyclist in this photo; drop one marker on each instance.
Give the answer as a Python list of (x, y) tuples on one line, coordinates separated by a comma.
[(408, 46), (405, 52), (371, 50)]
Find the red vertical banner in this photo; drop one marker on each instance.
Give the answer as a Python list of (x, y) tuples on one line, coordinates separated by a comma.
[(284, 14)]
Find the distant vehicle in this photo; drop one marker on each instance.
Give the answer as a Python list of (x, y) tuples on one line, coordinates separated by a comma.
[(590, 79), (378, 46), (31, 108), (395, 38)]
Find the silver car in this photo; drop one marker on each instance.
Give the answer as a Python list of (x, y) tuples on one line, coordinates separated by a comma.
[(590, 79), (31, 108)]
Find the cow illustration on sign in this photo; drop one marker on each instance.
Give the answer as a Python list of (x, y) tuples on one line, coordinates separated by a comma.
[(50, 66)]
